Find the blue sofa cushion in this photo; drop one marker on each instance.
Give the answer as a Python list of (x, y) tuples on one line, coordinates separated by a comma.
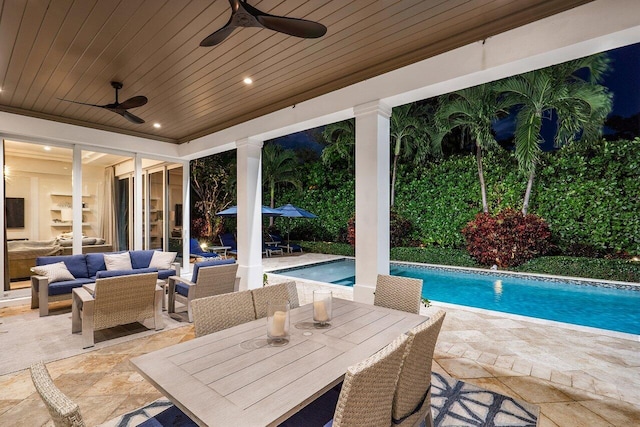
[(140, 259), (165, 274), (209, 263), (76, 264), (115, 273), (60, 288), (95, 263)]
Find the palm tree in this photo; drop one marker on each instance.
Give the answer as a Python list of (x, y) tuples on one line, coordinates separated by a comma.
[(404, 136), (581, 106), (279, 166), (341, 141), (473, 110)]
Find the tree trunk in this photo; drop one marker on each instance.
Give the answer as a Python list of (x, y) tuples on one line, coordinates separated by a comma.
[(273, 190), (527, 194), (393, 179), (483, 190)]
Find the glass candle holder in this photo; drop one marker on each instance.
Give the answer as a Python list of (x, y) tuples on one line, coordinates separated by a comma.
[(322, 300), (278, 323)]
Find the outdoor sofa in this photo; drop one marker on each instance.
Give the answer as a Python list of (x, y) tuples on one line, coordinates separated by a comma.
[(86, 268)]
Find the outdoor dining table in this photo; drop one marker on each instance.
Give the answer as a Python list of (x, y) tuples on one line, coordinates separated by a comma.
[(233, 377)]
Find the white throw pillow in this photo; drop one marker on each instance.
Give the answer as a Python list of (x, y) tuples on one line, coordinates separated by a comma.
[(56, 272), (162, 260), (118, 261)]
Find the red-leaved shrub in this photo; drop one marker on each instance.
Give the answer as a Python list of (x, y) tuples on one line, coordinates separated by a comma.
[(507, 239)]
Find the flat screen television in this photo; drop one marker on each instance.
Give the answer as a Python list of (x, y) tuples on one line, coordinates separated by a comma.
[(14, 210), (178, 221)]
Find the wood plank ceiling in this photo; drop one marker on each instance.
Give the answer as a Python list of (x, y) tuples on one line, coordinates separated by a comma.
[(72, 49)]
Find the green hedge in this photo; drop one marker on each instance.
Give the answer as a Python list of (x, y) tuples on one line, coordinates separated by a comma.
[(589, 196), (595, 268)]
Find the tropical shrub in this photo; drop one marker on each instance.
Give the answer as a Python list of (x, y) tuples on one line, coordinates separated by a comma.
[(595, 268), (506, 239)]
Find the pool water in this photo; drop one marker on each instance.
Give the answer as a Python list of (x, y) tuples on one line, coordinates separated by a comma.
[(594, 306)]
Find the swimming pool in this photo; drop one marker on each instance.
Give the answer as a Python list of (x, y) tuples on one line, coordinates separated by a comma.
[(594, 305)]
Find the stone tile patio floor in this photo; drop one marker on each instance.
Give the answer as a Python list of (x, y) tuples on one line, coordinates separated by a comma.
[(578, 378)]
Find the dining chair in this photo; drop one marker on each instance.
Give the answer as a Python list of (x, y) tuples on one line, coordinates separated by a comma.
[(286, 291), (412, 397), (366, 397), (398, 293), (64, 411), (213, 314), (209, 278)]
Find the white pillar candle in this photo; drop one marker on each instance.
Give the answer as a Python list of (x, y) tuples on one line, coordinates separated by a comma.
[(277, 324), (320, 311)]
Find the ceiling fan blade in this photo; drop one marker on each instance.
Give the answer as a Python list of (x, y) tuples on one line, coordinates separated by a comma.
[(81, 103), (132, 118), (218, 36), (293, 26), (136, 101)]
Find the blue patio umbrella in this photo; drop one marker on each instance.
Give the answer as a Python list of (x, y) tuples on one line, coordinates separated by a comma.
[(290, 211), (233, 211)]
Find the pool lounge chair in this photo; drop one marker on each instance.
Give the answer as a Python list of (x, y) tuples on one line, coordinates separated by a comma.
[(289, 247), (195, 251), (228, 239)]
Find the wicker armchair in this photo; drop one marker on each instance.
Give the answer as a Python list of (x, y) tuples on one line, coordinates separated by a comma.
[(412, 399), (213, 314), (398, 293), (206, 281), (281, 292), (366, 397), (64, 412), (114, 301)]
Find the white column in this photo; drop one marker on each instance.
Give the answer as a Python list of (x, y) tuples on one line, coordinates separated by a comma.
[(76, 199), (372, 197), (249, 233), (186, 215), (137, 202)]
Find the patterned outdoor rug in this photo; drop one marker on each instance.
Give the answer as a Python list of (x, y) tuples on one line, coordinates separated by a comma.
[(454, 403)]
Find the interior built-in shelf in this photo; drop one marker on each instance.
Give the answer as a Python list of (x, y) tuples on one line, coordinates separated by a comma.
[(67, 224), (59, 210), (69, 195)]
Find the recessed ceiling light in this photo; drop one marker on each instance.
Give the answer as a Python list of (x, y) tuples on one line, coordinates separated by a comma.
[(247, 80), (157, 125), (47, 148)]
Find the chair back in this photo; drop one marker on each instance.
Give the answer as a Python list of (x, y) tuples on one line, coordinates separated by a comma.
[(398, 293), (412, 398), (366, 397), (124, 299), (194, 247), (64, 412), (216, 280), (227, 239), (281, 292), (213, 314)]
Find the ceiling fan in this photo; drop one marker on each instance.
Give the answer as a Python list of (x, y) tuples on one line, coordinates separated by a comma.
[(120, 107), (245, 15)]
